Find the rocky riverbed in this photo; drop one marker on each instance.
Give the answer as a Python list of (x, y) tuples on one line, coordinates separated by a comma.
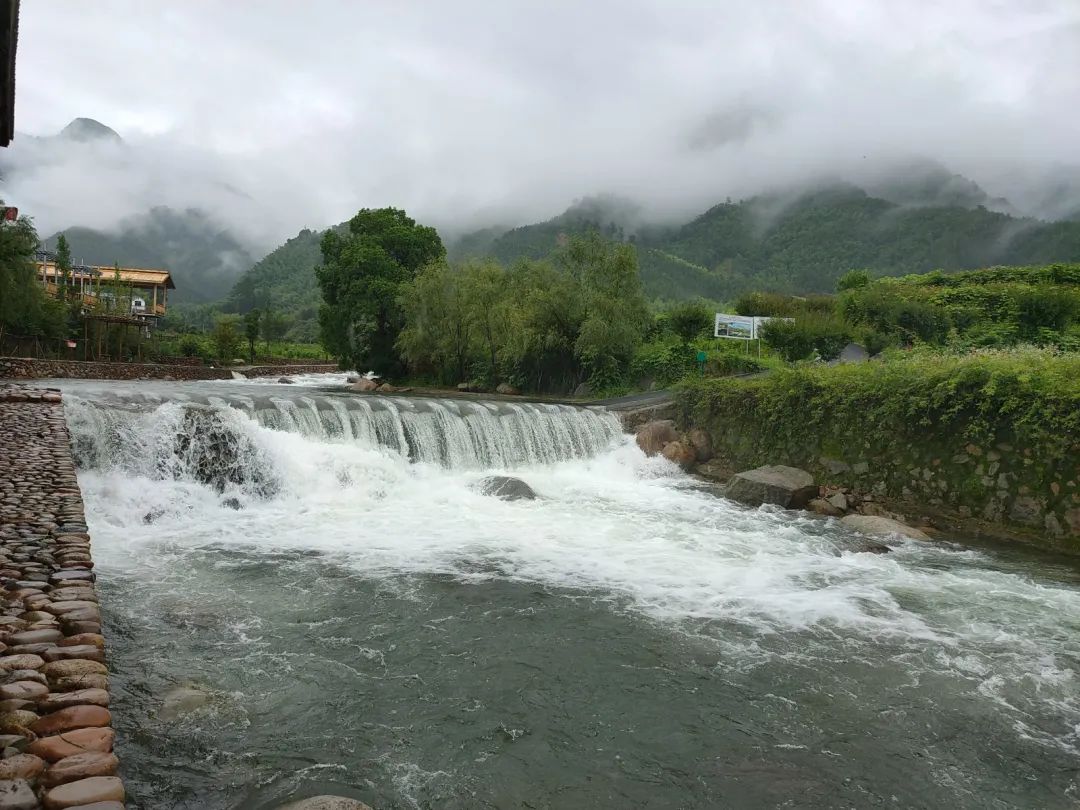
[(55, 733)]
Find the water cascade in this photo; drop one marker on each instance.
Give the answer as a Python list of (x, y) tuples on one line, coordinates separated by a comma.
[(364, 620)]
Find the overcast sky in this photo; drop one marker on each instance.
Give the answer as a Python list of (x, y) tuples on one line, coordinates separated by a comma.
[(278, 115)]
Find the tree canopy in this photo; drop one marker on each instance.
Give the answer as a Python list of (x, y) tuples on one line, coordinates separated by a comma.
[(361, 277)]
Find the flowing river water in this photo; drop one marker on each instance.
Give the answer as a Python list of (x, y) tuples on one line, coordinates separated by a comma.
[(363, 620)]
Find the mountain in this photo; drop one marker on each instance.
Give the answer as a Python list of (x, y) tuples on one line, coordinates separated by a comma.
[(804, 242), (204, 259), (284, 280), (87, 129)]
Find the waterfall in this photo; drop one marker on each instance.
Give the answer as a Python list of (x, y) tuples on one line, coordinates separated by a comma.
[(221, 439)]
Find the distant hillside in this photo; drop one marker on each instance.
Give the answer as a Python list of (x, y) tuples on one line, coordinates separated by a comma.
[(204, 260), (284, 280), (804, 243)]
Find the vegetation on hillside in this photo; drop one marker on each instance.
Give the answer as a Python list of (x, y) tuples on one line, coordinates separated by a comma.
[(803, 244)]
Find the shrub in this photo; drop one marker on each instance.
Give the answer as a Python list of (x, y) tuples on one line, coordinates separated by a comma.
[(853, 280), (801, 338), (1046, 307), (690, 319)]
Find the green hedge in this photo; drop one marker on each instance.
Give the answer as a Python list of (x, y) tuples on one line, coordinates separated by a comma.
[(919, 426)]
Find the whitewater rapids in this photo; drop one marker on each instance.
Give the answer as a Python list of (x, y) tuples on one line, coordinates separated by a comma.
[(368, 620)]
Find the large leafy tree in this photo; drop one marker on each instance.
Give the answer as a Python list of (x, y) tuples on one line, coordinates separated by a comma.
[(362, 276), (25, 310)]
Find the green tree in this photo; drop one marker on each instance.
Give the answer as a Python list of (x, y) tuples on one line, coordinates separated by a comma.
[(273, 326), (361, 278), (485, 291), (24, 307), (251, 331), (226, 338), (690, 319), (63, 265), (438, 333)]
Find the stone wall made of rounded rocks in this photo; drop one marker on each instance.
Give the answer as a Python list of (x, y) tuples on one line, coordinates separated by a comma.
[(56, 740), (27, 368)]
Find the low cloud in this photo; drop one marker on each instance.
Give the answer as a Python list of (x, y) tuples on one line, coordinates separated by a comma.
[(474, 113)]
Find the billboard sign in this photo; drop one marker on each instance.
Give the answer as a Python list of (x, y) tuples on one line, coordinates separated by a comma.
[(736, 327), (741, 327)]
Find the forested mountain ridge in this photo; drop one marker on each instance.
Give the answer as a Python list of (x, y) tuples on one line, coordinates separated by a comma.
[(804, 243), (204, 259), (799, 243)]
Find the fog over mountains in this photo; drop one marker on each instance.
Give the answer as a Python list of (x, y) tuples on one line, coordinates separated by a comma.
[(674, 106)]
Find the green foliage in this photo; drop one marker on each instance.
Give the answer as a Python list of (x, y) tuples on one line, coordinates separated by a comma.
[(63, 265), (544, 326), (798, 245), (690, 319), (361, 278), (998, 306), (251, 331), (802, 337), (226, 338), (775, 305), (1030, 395), (853, 280), (25, 309)]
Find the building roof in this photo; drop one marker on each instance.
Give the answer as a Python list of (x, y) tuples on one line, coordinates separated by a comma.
[(128, 275), (9, 38)]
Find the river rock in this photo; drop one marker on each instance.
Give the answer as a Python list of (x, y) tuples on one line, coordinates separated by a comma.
[(788, 487), (506, 488), (652, 437), (326, 803), (364, 384), (68, 669), (821, 506), (702, 443), (25, 661), (285, 381), (16, 794), (506, 389), (85, 791), (23, 690), (21, 766), (882, 526), (77, 697), (839, 500), (70, 743), (70, 719), (73, 683), (80, 766), (680, 453), (183, 700)]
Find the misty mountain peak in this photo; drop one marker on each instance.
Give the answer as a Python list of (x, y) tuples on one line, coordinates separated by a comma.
[(87, 129)]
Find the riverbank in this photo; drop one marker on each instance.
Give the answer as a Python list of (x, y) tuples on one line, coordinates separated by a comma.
[(55, 724), (26, 368), (983, 444)]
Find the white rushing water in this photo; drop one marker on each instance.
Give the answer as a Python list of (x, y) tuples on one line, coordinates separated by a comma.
[(392, 490)]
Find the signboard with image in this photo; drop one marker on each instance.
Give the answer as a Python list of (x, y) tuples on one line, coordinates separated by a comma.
[(736, 327)]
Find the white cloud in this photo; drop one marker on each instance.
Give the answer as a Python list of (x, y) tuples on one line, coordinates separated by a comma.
[(280, 115)]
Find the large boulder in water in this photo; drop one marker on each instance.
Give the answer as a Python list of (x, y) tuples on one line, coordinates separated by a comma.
[(326, 803), (653, 437), (788, 487), (507, 488), (506, 389), (365, 384), (681, 453), (702, 443), (882, 526)]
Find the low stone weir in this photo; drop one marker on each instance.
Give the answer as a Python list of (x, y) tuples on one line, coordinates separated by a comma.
[(26, 368), (55, 733)]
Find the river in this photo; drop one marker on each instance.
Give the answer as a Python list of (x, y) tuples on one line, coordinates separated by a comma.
[(365, 621)]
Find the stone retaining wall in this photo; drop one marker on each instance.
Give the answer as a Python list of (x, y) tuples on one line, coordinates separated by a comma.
[(26, 368), (55, 733)]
